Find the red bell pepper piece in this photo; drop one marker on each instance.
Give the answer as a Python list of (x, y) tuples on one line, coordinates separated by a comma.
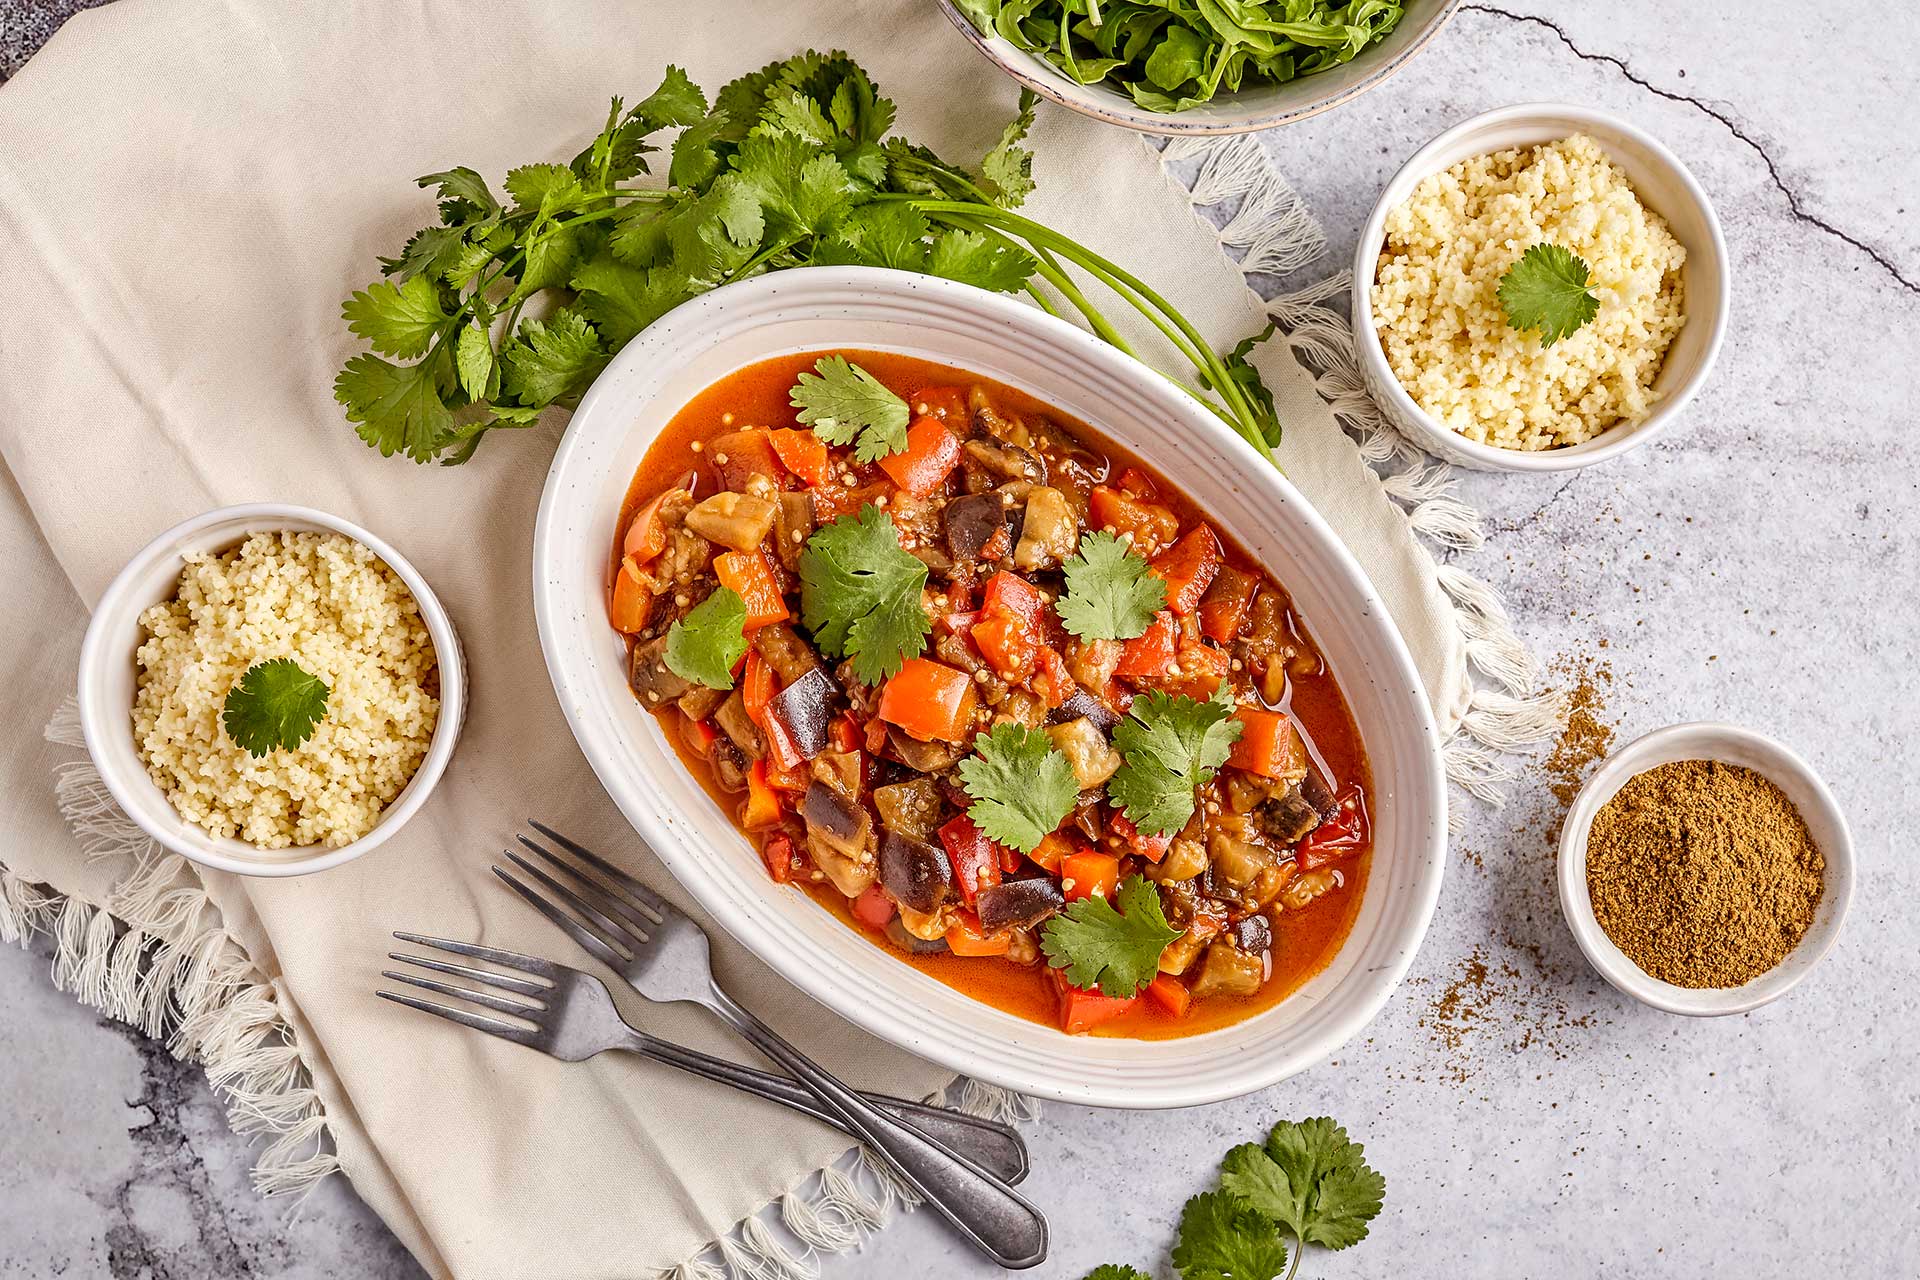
[(929, 700), (1188, 568), (932, 452), (1269, 745), (804, 454), (1136, 483), (1152, 525), (966, 937), (1201, 666), (1006, 593), (646, 532), (748, 573), (1051, 852), (1051, 680), (740, 455), (1338, 836), (1147, 657), (975, 859), (1152, 848), (846, 732), (763, 802), (1081, 1010), (873, 908), (1007, 643), (1169, 995), (778, 853), (1089, 875), (631, 602)]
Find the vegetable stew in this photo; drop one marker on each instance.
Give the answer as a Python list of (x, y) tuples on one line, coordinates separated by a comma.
[(993, 693)]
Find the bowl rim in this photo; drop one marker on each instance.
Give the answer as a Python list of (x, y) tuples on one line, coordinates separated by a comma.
[(968, 1054), (1613, 964), (116, 615), (1615, 440), (1035, 74)]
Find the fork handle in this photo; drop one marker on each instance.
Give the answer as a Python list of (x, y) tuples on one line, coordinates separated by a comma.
[(986, 1210), (997, 1148)]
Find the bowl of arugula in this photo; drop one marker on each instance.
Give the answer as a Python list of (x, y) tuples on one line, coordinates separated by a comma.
[(709, 339)]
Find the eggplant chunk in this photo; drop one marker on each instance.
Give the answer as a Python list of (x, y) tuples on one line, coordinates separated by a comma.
[(836, 819), (923, 757), (729, 766), (979, 526), (1237, 858), (1253, 935), (1006, 461), (700, 702), (793, 524), (840, 770), (917, 874), (1092, 662), (1229, 971), (788, 655), (1083, 704), (1050, 532), (734, 721), (738, 521), (654, 682), (1086, 749), (1018, 904), (805, 710), (910, 808), (849, 874), (898, 935)]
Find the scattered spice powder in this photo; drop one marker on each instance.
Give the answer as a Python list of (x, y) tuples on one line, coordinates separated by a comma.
[(1703, 873), (1587, 737)]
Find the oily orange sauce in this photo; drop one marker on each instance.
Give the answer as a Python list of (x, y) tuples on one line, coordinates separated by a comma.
[(1305, 941)]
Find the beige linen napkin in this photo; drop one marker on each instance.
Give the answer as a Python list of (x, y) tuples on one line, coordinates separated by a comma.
[(187, 191)]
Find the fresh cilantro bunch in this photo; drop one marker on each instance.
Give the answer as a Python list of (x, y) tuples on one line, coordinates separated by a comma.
[(1170, 745), (277, 704), (1022, 787), (1308, 1181), (1116, 951), (513, 303), (1546, 289), (1110, 594)]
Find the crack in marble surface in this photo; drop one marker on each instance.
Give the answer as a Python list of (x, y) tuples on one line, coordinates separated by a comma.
[(1794, 206)]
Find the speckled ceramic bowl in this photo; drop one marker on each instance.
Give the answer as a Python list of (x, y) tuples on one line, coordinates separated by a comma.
[(1728, 744), (1243, 112), (812, 309)]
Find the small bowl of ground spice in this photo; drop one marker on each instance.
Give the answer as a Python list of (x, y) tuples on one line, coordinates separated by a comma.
[(1705, 869)]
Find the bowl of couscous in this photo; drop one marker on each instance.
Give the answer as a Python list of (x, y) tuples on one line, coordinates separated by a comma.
[(270, 690), (1440, 338)]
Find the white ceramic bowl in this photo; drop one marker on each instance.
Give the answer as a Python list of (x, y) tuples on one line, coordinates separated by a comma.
[(718, 333), (1728, 744), (1243, 112), (1663, 184), (107, 688)]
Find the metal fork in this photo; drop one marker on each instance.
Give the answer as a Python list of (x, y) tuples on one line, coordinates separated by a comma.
[(573, 1018), (663, 955)]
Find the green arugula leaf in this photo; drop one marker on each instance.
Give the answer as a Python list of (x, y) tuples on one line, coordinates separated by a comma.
[(394, 408), (1222, 1239), (1111, 593), (1169, 745), (1116, 951), (1546, 289), (552, 359), (860, 594), (1022, 787), (1114, 1271), (275, 705), (841, 401), (397, 321), (1309, 1178), (704, 645), (1008, 168)]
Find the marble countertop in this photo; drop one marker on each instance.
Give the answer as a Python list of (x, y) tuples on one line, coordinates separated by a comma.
[(1758, 564)]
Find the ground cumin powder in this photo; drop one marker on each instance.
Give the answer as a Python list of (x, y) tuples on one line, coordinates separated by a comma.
[(1703, 873)]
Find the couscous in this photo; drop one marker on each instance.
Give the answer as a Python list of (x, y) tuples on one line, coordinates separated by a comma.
[(1446, 337), (328, 603)]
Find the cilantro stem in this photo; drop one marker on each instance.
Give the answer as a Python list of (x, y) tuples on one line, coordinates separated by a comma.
[(1299, 1247)]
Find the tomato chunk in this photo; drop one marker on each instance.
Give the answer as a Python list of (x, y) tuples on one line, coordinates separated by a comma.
[(1089, 875), (778, 854), (646, 532), (804, 454), (1152, 848), (1338, 836), (975, 859), (929, 700), (748, 573), (1269, 745), (872, 908), (932, 452), (1015, 596), (1188, 568)]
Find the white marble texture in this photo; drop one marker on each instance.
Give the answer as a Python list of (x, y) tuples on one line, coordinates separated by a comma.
[(1758, 564)]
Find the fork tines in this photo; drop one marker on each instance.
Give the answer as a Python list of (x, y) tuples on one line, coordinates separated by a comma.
[(529, 1012), (609, 913)]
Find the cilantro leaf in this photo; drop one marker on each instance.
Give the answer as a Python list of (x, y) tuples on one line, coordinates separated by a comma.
[(1114, 1271), (860, 594), (1546, 289), (552, 358), (543, 188), (473, 357), (841, 401), (1117, 951), (397, 321), (1311, 1179), (1170, 744), (276, 704), (704, 645), (1111, 594), (972, 258), (1241, 373), (1008, 168), (622, 300), (678, 100), (464, 185), (395, 408), (1221, 1238), (427, 251), (1022, 787)]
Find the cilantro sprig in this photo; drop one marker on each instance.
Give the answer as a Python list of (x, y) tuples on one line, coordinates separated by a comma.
[(1546, 289), (276, 704), (1116, 951), (860, 594), (1022, 787), (704, 645), (1309, 1181), (1170, 745), (843, 402), (1111, 594), (791, 165)]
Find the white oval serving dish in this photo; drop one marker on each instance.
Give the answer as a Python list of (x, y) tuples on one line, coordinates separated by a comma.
[(107, 680), (858, 308), (1243, 112), (1728, 744), (1663, 184)]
